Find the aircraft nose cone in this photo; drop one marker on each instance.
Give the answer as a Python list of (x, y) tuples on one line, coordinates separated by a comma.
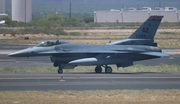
[(11, 54), (22, 53), (15, 54)]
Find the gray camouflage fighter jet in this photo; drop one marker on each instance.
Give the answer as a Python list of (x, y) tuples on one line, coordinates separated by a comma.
[(65, 55)]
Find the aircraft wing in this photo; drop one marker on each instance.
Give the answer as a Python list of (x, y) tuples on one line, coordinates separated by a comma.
[(81, 52), (158, 54)]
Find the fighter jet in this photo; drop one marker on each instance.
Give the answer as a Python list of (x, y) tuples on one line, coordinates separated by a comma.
[(66, 55)]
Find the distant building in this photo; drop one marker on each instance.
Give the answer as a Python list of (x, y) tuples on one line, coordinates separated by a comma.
[(135, 16), (22, 10), (170, 9), (159, 9), (114, 10), (2, 9), (132, 9), (107, 16), (146, 9), (2, 6), (3, 16)]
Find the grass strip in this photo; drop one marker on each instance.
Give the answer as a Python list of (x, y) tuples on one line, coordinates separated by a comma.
[(135, 68), (91, 97)]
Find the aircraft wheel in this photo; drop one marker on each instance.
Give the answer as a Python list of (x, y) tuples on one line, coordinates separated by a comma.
[(98, 69), (60, 70), (108, 69), (55, 64)]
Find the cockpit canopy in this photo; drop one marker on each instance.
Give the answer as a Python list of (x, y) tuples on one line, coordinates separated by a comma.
[(48, 43)]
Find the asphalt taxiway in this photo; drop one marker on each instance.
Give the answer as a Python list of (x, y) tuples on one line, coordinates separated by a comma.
[(88, 81)]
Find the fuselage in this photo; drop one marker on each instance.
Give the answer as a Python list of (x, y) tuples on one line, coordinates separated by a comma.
[(67, 52)]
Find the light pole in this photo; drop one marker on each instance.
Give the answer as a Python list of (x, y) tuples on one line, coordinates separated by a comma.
[(25, 12), (95, 17), (122, 16), (149, 13), (177, 16), (70, 10)]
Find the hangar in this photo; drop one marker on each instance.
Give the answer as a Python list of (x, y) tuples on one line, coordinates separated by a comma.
[(135, 16)]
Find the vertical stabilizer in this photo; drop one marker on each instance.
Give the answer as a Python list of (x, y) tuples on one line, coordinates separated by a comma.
[(144, 35), (148, 29)]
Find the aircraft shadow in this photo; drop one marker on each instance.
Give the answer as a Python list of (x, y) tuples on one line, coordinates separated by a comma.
[(117, 73)]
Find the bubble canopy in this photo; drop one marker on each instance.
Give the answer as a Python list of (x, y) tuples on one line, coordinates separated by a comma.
[(48, 43)]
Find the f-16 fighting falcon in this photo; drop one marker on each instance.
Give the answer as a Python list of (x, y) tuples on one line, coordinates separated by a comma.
[(66, 55)]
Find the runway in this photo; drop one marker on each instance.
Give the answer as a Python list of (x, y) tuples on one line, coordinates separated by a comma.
[(88, 81)]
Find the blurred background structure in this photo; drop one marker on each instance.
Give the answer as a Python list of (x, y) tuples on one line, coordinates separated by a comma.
[(2, 9), (22, 10)]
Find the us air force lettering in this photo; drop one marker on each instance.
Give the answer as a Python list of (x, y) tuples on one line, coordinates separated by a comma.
[(65, 55)]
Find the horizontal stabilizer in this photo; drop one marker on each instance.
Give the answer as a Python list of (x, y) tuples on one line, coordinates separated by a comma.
[(158, 54)]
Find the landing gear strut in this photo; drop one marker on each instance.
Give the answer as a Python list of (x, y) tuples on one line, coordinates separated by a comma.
[(60, 70)]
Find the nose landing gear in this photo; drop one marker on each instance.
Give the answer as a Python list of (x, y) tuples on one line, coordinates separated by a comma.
[(60, 70)]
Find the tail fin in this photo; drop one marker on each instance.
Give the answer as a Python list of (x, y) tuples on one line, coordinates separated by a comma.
[(144, 35), (148, 29)]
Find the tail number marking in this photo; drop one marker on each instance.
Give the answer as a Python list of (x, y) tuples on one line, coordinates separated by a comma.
[(141, 36), (145, 30)]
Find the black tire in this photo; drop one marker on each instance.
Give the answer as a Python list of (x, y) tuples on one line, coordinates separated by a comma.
[(108, 69), (55, 64), (98, 69), (60, 71)]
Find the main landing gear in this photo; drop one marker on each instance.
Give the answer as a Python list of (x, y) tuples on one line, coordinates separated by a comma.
[(98, 69), (108, 69)]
